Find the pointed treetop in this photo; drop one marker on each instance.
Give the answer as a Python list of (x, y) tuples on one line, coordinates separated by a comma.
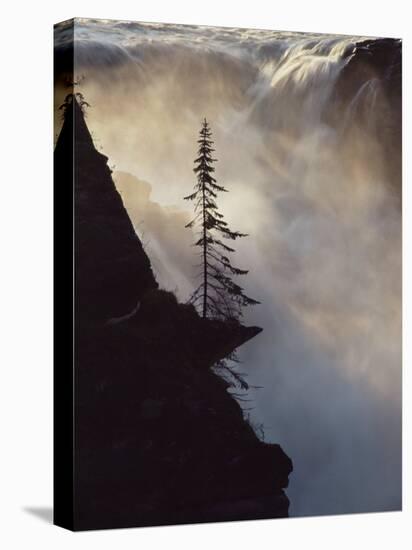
[(76, 100), (73, 120)]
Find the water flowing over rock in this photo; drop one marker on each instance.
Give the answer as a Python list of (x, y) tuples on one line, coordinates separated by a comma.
[(308, 128)]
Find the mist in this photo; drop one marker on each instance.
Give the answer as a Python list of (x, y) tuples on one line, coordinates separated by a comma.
[(324, 225)]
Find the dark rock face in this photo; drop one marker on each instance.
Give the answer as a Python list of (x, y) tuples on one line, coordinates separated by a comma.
[(376, 63), (112, 269), (379, 58), (158, 438)]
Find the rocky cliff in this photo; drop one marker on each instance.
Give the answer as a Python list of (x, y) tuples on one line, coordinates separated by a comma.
[(370, 85), (159, 440)]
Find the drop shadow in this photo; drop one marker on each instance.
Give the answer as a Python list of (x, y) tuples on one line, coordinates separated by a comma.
[(43, 513)]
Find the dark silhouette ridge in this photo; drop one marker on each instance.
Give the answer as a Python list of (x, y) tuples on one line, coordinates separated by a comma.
[(111, 269), (158, 438)]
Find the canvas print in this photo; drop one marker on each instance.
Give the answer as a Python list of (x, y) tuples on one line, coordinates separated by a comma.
[(228, 274)]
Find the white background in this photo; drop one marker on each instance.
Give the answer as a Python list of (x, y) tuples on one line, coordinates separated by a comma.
[(26, 323)]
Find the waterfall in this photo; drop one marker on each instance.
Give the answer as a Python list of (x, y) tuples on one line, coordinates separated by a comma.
[(303, 127)]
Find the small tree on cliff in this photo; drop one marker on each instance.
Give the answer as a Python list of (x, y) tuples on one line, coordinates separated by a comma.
[(68, 100), (217, 295)]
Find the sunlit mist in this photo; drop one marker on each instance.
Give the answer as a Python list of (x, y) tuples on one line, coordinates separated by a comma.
[(310, 185)]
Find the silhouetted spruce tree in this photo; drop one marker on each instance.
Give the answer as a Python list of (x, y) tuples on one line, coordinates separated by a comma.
[(218, 296)]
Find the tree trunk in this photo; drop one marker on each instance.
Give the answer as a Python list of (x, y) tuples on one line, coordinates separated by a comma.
[(204, 255)]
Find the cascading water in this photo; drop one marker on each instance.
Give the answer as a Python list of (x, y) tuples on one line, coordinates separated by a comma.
[(302, 141)]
